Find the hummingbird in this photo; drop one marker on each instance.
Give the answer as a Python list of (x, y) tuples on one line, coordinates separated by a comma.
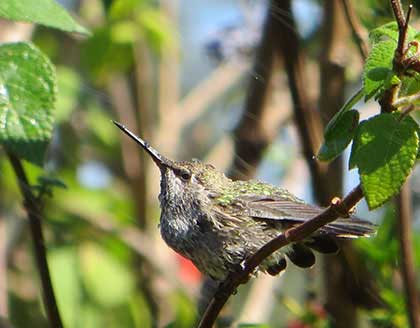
[(218, 223)]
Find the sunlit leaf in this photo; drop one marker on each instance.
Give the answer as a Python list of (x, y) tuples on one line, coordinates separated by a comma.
[(389, 31), (378, 67), (45, 12), (384, 151), (27, 97)]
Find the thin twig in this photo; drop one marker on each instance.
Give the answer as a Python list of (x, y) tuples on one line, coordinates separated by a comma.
[(228, 287), (390, 95), (356, 29), (33, 211), (404, 210), (402, 32), (407, 100)]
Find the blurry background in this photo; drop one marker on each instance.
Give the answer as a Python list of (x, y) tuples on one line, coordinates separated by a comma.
[(221, 81)]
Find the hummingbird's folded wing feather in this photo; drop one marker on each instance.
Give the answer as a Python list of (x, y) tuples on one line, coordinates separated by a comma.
[(281, 210)]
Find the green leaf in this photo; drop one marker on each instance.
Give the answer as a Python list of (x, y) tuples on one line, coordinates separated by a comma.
[(335, 140), (339, 136), (389, 31), (27, 97), (44, 12), (353, 100), (378, 68), (384, 151)]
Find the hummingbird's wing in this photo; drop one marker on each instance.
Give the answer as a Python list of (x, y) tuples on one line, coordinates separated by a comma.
[(287, 212), (283, 212)]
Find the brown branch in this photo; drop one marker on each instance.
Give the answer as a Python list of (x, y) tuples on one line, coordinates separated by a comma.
[(228, 287), (356, 29), (340, 282), (402, 30), (404, 211), (390, 95), (33, 211)]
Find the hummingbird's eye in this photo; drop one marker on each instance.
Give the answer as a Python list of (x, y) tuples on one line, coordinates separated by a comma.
[(185, 175)]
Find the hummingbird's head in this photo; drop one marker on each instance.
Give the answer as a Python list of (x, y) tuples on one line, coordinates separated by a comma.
[(182, 182)]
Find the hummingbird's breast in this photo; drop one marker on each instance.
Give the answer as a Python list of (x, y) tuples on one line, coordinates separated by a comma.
[(186, 226)]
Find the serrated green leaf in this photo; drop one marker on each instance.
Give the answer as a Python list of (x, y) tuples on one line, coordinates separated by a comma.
[(44, 12), (338, 137), (384, 151), (27, 97), (389, 31), (378, 67)]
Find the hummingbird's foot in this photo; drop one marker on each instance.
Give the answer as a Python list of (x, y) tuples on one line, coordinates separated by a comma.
[(238, 269), (226, 288)]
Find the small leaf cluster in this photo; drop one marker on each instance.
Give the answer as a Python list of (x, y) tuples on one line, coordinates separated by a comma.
[(386, 146)]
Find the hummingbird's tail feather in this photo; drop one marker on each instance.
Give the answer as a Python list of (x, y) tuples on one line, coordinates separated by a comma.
[(350, 228)]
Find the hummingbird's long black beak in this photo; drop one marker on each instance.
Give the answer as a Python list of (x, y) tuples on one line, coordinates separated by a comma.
[(160, 160)]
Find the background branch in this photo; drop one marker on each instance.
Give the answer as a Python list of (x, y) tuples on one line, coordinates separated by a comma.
[(33, 211), (306, 118), (250, 137), (404, 212), (357, 30)]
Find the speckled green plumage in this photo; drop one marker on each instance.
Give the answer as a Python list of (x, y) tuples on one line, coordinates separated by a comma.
[(229, 190), (235, 189)]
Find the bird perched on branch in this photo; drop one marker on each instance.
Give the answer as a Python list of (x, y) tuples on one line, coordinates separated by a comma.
[(217, 223)]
